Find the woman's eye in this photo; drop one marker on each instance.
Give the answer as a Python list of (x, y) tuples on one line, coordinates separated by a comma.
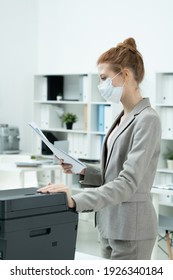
[(103, 78)]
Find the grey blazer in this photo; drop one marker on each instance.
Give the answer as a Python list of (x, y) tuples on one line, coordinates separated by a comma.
[(120, 189)]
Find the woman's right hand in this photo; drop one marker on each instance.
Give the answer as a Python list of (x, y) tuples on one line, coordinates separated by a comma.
[(67, 167)]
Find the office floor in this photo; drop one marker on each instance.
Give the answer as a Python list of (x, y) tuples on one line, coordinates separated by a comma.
[(88, 240)]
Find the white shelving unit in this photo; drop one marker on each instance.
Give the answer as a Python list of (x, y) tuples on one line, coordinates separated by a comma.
[(164, 107), (80, 96)]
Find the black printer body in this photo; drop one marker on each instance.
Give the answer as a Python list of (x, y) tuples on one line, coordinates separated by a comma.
[(35, 226)]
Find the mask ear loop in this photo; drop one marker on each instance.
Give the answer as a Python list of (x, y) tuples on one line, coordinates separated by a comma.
[(115, 76)]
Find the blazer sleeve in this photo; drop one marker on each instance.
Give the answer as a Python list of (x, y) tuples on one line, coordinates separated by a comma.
[(145, 149), (92, 176)]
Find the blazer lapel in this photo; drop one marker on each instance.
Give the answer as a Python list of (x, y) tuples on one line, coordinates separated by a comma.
[(131, 116), (104, 149), (117, 133)]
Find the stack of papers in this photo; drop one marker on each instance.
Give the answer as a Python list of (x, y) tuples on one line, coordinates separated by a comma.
[(78, 166), (27, 164)]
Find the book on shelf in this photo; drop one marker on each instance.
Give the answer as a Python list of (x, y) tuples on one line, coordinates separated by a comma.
[(167, 120), (167, 90), (85, 117), (44, 89), (50, 116), (77, 145), (100, 118), (107, 117), (41, 88), (84, 87), (96, 147), (104, 117)]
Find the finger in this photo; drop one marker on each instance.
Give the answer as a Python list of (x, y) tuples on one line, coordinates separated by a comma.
[(68, 171), (59, 158), (53, 188), (67, 166), (61, 161), (44, 189)]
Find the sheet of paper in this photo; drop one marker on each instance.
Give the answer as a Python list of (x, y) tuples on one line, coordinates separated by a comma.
[(60, 154)]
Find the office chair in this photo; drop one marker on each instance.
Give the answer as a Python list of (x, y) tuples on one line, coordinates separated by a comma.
[(166, 224)]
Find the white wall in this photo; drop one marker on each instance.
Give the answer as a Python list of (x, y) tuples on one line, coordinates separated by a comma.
[(71, 35), (18, 60)]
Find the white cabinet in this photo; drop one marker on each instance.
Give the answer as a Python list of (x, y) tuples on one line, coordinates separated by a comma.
[(75, 93), (164, 107)]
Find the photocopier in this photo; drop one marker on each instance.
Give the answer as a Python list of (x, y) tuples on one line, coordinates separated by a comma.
[(35, 226)]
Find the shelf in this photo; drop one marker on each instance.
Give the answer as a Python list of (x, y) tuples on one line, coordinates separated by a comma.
[(97, 132), (165, 170), (100, 103), (163, 105), (60, 102), (64, 130)]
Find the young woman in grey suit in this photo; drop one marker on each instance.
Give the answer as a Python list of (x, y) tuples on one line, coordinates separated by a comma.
[(119, 190)]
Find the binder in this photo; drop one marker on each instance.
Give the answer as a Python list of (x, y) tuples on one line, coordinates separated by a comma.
[(49, 116), (44, 88), (107, 117), (100, 118), (85, 88)]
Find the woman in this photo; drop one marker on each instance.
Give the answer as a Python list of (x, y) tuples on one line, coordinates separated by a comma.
[(120, 193)]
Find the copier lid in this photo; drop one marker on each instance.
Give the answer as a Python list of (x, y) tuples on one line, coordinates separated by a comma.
[(19, 202)]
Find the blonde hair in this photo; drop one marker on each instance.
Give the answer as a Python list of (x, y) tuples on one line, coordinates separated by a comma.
[(125, 55)]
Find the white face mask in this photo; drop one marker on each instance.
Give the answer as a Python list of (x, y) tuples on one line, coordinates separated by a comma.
[(109, 92)]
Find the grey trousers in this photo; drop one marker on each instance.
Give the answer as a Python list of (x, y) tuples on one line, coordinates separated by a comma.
[(127, 249)]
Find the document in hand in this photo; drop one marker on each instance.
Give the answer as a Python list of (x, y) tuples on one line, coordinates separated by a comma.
[(60, 154)]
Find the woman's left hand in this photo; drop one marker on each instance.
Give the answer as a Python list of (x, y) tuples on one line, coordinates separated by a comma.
[(55, 188)]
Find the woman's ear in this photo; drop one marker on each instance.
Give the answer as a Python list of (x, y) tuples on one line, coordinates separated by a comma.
[(127, 74)]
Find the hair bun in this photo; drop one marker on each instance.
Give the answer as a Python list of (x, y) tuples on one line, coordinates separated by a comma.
[(130, 42)]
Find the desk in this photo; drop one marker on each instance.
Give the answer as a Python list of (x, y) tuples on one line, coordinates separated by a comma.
[(156, 192), (11, 167)]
